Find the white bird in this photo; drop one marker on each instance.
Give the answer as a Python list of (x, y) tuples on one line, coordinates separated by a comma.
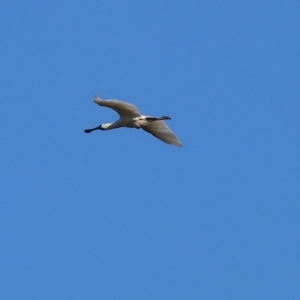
[(132, 118)]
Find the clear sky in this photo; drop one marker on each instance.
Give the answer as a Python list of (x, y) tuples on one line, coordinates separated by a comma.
[(120, 214)]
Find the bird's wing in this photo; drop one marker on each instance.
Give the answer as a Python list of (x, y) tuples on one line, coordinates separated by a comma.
[(124, 109), (161, 131)]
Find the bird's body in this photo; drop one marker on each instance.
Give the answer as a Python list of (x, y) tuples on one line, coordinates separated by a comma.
[(131, 117)]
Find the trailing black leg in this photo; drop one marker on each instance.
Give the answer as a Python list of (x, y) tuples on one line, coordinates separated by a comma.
[(158, 119)]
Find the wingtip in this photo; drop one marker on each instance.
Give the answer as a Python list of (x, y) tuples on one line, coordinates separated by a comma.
[(176, 143), (96, 98)]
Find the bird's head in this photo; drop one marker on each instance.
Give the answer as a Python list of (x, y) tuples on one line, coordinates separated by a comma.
[(104, 126)]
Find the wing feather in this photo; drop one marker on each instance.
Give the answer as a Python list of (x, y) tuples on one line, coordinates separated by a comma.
[(160, 130), (124, 109)]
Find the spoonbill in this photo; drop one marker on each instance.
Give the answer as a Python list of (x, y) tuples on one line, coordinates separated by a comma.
[(131, 117)]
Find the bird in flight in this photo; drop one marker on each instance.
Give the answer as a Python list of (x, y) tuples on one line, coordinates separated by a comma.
[(131, 117)]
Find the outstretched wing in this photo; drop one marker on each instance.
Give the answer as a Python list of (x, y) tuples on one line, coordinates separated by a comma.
[(124, 109), (161, 131)]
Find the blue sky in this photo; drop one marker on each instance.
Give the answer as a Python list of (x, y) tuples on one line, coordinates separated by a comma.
[(119, 214)]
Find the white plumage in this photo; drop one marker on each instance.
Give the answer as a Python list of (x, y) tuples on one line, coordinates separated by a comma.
[(131, 117)]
